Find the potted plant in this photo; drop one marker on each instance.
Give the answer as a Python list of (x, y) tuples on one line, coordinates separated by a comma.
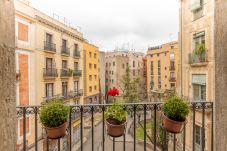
[(115, 116), (175, 111), (54, 116)]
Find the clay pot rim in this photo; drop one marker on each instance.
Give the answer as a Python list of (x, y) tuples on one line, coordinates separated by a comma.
[(177, 122), (57, 126), (122, 124)]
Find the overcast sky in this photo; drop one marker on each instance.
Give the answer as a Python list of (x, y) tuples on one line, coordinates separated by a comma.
[(118, 23)]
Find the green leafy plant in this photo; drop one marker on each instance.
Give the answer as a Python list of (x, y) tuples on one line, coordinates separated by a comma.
[(54, 113), (200, 49), (176, 108), (116, 113)]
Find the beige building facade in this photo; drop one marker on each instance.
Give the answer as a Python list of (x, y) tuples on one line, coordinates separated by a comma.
[(116, 64), (162, 69), (197, 70), (49, 61)]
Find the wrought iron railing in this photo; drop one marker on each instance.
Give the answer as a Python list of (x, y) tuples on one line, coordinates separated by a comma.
[(200, 58), (144, 129), (77, 73), (65, 50), (50, 72), (66, 73), (49, 46), (76, 53)]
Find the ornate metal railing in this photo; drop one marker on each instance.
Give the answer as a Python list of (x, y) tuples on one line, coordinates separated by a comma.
[(50, 72), (65, 50), (144, 129)]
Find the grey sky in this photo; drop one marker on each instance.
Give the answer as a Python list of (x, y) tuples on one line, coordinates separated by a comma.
[(116, 23)]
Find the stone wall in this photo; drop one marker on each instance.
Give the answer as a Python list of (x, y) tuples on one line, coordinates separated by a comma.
[(7, 77), (220, 39)]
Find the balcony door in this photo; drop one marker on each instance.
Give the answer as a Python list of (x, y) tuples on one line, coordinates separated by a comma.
[(49, 90), (76, 86), (48, 38), (64, 88), (76, 65), (49, 63), (64, 64)]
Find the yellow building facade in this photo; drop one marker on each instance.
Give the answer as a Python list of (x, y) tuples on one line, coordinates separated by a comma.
[(162, 69), (91, 72)]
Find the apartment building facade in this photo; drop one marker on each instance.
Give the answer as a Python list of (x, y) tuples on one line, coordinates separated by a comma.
[(197, 65), (102, 75), (162, 70), (116, 63), (91, 72), (48, 63)]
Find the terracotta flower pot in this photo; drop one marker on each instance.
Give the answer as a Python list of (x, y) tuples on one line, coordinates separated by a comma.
[(171, 125), (115, 130), (56, 132)]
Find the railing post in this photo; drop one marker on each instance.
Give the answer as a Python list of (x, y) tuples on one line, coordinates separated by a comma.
[(24, 129)]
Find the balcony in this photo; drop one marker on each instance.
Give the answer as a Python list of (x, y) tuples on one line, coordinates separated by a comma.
[(73, 94), (172, 79), (65, 51), (49, 47), (50, 73), (77, 73), (198, 60), (76, 54), (66, 73), (144, 129)]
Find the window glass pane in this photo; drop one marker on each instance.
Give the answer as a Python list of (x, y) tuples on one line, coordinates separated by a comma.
[(196, 92)]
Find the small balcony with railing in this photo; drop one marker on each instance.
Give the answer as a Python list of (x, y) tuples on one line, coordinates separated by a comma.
[(77, 73), (50, 73), (172, 79), (65, 51), (49, 47), (76, 54), (87, 131), (66, 73), (198, 59)]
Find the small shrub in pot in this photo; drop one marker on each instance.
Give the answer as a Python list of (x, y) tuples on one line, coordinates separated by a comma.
[(54, 116), (175, 111)]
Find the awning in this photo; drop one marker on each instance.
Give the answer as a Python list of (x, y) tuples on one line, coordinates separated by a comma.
[(199, 79)]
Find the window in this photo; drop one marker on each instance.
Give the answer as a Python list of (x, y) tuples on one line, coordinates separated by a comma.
[(23, 32), (134, 72), (90, 54), (157, 54), (64, 89), (90, 65), (64, 44), (199, 87), (172, 56), (112, 81), (113, 63), (95, 77), (90, 77), (171, 47), (197, 9), (49, 89), (172, 75), (198, 138), (49, 63), (95, 55), (112, 72), (199, 38), (106, 64), (90, 89), (159, 82), (134, 64), (95, 66), (76, 65), (123, 66), (106, 72), (95, 87), (64, 64), (76, 86), (76, 47), (48, 39), (152, 68), (151, 56), (172, 85), (159, 63)]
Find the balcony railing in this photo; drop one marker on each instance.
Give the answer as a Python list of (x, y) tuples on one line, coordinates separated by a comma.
[(77, 73), (66, 73), (50, 72), (76, 53), (172, 79), (65, 51), (49, 46), (144, 129), (195, 59)]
